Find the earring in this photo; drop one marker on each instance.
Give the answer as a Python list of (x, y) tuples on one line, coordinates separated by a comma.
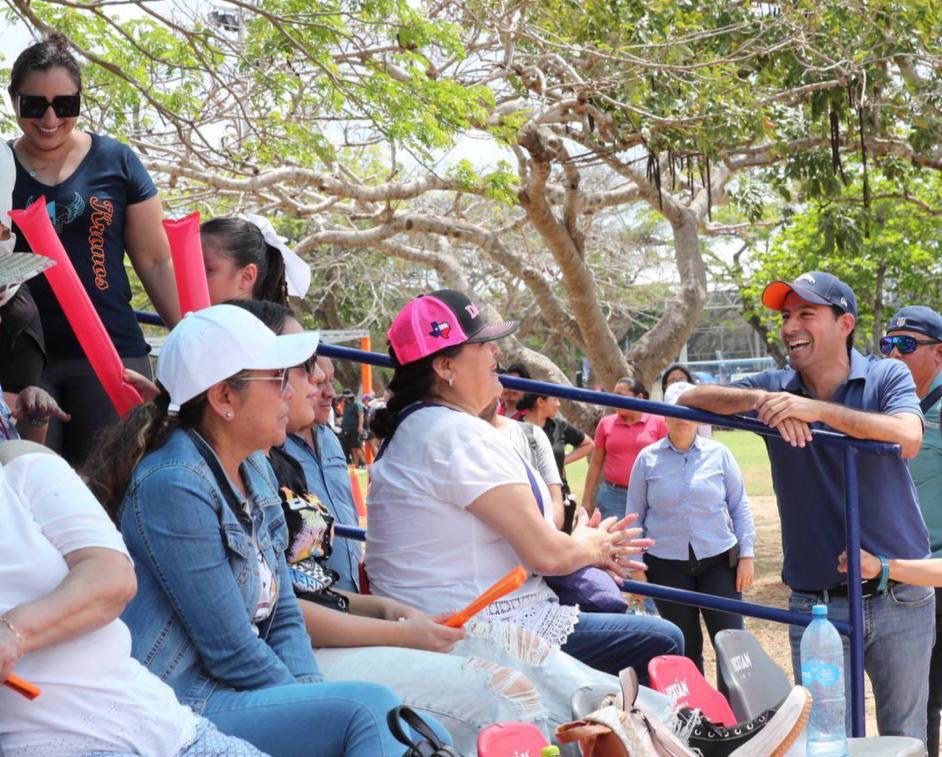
[(229, 415), (451, 381)]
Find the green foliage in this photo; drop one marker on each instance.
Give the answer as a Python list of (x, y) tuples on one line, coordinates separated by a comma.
[(890, 255)]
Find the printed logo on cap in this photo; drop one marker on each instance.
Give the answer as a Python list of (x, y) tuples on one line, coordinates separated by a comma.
[(472, 310), (442, 329), (807, 277), (900, 322), (844, 303)]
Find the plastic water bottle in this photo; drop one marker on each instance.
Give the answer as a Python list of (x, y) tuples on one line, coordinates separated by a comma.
[(822, 673)]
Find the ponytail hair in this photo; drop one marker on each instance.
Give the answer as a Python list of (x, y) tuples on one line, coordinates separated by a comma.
[(410, 383), (242, 242), (118, 448)]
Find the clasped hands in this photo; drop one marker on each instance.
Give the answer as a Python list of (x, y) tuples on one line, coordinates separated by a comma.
[(615, 542), (789, 414)]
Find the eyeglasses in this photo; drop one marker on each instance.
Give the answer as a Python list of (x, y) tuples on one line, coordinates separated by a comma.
[(35, 106), (904, 343), (284, 377)]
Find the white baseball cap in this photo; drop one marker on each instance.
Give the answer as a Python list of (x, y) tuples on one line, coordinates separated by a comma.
[(217, 342)]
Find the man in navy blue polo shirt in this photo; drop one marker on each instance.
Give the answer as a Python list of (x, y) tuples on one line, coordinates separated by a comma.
[(831, 385)]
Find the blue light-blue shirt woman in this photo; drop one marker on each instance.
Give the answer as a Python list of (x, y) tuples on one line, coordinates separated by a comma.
[(689, 494)]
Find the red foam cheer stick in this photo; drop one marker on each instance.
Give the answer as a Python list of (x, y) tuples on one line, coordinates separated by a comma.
[(188, 268), (77, 305)]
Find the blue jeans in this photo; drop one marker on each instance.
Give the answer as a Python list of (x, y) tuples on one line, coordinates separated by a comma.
[(336, 718), (612, 500), (899, 629), (610, 642)]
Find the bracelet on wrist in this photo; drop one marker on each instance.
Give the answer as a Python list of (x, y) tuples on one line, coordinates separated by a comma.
[(884, 575), (20, 641)]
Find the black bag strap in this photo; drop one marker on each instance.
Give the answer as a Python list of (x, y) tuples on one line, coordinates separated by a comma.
[(429, 746), (930, 399), (218, 473)]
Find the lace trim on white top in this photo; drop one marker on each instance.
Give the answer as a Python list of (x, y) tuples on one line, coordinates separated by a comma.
[(539, 612)]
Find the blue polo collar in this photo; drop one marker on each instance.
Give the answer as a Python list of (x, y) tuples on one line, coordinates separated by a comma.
[(859, 366)]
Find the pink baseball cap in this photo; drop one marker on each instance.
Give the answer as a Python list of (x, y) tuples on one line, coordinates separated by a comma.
[(446, 318)]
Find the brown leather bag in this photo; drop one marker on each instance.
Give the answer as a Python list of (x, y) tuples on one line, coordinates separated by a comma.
[(623, 729)]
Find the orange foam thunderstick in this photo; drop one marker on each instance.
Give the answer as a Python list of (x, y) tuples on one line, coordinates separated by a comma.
[(512, 581), (22, 686)]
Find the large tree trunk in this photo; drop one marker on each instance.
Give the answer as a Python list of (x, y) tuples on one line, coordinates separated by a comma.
[(660, 346)]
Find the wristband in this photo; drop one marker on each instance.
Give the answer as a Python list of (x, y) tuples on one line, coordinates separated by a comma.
[(35, 422), (884, 575)]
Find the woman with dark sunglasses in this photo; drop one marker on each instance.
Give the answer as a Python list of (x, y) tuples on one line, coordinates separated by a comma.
[(103, 203)]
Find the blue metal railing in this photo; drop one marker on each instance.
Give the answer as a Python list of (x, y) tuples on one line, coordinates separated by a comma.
[(853, 628)]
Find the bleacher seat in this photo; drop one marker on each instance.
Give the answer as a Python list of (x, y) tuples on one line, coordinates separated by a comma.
[(753, 681), (679, 678), (518, 739)]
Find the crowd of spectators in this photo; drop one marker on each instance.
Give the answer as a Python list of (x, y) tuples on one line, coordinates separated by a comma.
[(187, 596)]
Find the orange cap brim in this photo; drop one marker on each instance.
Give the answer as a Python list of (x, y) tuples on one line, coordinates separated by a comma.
[(773, 296)]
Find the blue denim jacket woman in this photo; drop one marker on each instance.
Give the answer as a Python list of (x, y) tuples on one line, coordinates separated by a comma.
[(183, 626), (215, 615)]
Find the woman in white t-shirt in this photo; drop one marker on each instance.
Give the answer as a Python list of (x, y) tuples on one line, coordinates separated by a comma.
[(65, 576), (452, 508)]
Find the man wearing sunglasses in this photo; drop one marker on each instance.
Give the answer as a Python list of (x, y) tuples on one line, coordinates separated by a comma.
[(830, 385), (914, 335)]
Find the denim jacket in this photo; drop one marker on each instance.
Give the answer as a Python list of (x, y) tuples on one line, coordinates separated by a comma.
[(198, 577), (327, 475)]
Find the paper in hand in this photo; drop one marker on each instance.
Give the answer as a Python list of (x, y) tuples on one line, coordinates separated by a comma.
[(21, 266)]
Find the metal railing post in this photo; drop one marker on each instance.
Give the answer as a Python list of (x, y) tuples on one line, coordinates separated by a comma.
[(854, 594)]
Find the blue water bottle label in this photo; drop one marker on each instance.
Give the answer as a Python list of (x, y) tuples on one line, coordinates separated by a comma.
[(821, 673)]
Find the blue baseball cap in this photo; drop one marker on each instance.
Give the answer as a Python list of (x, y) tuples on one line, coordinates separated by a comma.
[(817, 287), (917, 318)]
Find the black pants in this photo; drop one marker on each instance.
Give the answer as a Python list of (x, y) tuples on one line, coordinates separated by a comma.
[(935, 681), (712, 575), (74, 385)]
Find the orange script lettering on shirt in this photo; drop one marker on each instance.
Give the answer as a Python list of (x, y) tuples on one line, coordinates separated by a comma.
[(103, 211)]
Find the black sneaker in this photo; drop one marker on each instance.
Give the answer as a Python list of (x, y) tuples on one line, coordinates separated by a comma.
[(768, 735)]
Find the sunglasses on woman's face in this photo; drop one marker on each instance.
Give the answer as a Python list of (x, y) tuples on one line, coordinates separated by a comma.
[(35, 106), (905, 344)]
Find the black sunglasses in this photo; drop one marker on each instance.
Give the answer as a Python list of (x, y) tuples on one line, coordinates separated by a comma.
[(35, 106), (905, 344)]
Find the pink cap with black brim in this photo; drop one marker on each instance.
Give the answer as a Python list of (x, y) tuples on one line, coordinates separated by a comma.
[(446, 318)]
